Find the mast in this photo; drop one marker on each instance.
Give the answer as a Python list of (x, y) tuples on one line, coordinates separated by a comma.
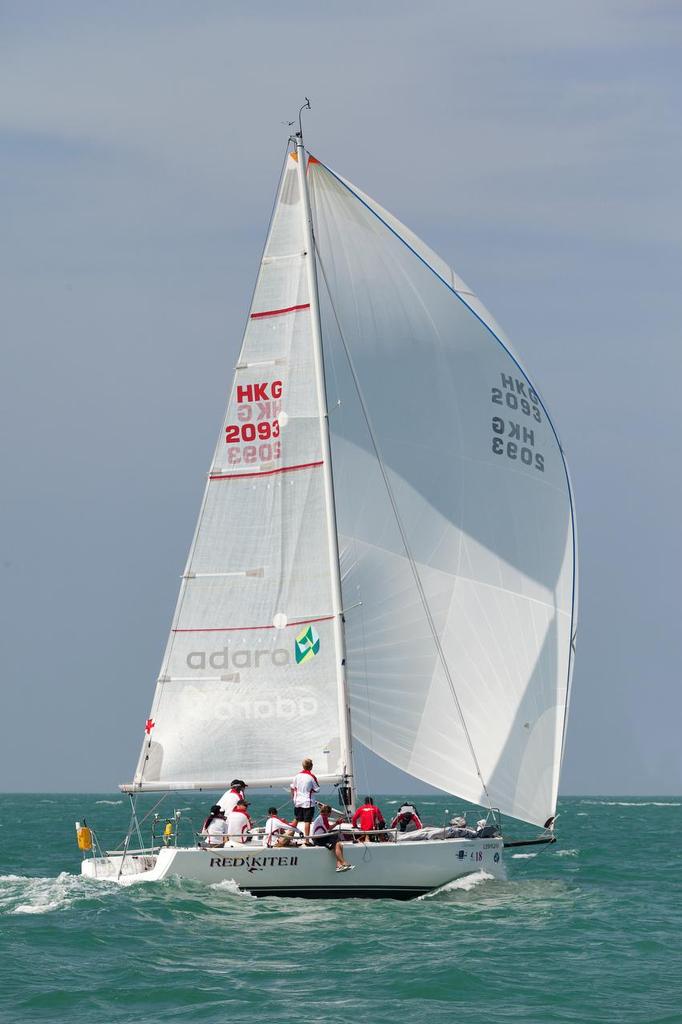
[(332, 534)]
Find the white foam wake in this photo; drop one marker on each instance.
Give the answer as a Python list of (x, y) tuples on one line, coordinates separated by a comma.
[(20, 894), (229, 885), (523, 856), (112, 803), (465, 883), (632, 803)]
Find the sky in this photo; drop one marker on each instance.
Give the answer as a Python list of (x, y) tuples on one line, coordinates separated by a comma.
[(534, 146)]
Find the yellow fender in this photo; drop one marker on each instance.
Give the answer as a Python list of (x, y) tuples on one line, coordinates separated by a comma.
[(83, 837)]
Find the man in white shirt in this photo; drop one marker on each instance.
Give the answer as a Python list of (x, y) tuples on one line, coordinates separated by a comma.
[(215, 827), (303, 788), (324, 834), (239, 823), (228, 800), (276, 827)]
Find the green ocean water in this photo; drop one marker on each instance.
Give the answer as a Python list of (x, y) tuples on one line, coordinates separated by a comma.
[(587, 930)]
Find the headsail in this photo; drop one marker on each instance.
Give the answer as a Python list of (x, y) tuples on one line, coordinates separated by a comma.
[(248, 681), (455, 515)]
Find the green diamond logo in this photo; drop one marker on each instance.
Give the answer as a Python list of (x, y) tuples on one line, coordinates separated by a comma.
[(306, 645)]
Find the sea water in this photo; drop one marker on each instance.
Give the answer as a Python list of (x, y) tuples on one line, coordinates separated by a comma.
[(587, 930)]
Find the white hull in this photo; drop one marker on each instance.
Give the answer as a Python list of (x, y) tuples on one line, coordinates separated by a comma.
[(394, 870)]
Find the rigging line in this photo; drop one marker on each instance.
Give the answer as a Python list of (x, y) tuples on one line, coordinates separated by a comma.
[(403, 534), (133, 801), (126, 844), (147, 815)]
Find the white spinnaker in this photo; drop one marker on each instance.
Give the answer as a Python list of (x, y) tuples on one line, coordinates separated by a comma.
[(483, 535), (245, 690)]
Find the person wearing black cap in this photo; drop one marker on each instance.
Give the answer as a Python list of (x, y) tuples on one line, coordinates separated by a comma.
[(239, 823), (228, 800), (215, 827)]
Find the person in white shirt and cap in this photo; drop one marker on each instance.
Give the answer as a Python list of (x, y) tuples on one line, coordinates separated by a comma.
[(277, 828), (215, 827), (239, 823), (303, 787), (228, 800)]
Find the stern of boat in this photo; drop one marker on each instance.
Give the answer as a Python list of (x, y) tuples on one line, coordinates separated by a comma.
[(117, 868)]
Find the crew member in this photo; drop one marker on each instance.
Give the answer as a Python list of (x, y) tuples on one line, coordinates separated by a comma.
[(215, 827), (228, 800), (324, 836), (277, 828), (407, 819), (368, 818), (303, 787), (239, 823)]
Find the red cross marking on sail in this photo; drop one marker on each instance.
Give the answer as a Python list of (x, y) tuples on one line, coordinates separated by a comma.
[(148, 726)]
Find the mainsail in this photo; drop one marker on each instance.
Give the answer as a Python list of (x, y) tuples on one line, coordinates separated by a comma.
[(455, 523), (455, 515), (248, 683)]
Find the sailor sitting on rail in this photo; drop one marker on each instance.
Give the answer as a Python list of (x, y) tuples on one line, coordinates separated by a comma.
[(215, 827), (324, 836), (277, 831)]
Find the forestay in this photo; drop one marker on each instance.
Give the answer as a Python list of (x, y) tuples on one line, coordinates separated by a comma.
[(458, 559), (248, 681)]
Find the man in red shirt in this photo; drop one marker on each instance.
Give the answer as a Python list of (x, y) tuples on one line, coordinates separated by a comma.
[(368, 818)]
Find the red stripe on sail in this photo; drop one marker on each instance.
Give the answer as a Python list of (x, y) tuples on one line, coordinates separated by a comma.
[(264, 472), (278, 312), (237, 629)]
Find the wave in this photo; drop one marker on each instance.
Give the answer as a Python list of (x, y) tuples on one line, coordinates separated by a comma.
[(20, 894), (523, 856), (229, 885), (566, 853), (632, 803), (112, 803), (465, 884)]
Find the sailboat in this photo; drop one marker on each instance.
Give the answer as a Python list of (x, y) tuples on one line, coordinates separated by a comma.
[(385, 555)]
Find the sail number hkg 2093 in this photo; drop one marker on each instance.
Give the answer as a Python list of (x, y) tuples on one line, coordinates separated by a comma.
[(516, 439), (257, 432)]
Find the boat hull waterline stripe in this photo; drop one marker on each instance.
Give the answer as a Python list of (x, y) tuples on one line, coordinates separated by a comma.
[(279, 312), (239, 629), (391, 892), (264, 472)]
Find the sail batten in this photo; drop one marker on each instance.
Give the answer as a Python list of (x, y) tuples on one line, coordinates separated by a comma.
[(265, 472)]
